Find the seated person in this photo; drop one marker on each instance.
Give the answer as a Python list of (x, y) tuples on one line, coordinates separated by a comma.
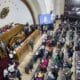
[(62, 41), (50, 51), (5, 74), (36, 56), (29, 67), (53, 42), (70, 52), (40, 76), (50, 76), (44, 64), (41, 51), (44, 42)]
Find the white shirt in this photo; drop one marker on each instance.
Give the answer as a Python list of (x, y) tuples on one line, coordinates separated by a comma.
[(55, 52), (65, 55), (51, 75), (67, 41), (11, 68), (5, 73), (14, 52), (63, 39), (42, 47), (37, 53), (2, 45), (52, 16), (43, 40), (44, 36), (11, 55), (45, 54)]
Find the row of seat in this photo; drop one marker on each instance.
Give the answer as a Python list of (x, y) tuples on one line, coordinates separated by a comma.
[(42, 65)]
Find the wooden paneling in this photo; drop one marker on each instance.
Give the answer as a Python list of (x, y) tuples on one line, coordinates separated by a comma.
[(24, 46), (10, 33)]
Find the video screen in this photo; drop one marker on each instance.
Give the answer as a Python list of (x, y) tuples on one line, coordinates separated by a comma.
[(44, 19)]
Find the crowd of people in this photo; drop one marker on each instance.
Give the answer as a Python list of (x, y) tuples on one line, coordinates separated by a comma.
[(8, 62), (55, 54), (6, 27)]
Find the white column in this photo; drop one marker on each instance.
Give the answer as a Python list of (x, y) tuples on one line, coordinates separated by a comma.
[(49, 5), (62, 5)]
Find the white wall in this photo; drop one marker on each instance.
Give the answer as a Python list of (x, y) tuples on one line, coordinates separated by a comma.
[(34, 4), (49, 5), (59, 7), (43, 6), (19, 13), (62, 6)]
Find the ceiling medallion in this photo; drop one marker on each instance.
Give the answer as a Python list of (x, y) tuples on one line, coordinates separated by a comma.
[(4, 12)]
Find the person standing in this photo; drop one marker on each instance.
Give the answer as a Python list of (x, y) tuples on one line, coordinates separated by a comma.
[(31, 44), (3, 46), (18, 74), (26, 30), (5, 74), (50, 76)]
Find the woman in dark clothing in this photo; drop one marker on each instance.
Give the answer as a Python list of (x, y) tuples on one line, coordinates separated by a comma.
[(55, 73), (31, 43), (6, 78), (18, 74), (70, 52), (5, 74), (41, 52)]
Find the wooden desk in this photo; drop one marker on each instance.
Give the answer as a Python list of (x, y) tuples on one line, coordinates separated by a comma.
[(20, 36), (24, 46), (10, 33)]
